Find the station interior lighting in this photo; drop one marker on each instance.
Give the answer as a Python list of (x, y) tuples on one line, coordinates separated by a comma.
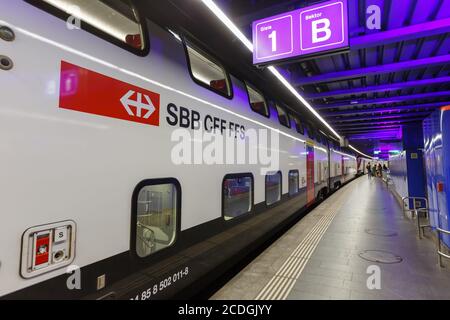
[(249, 45)]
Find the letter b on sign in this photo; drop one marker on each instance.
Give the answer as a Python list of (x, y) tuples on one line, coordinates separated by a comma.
[(321, 30), (324, 27)]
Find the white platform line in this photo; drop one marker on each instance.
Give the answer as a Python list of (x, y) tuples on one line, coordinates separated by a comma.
[(281, 284)]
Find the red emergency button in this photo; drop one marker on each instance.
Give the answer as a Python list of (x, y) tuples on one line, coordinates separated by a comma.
[(440, 186), (42, 248)]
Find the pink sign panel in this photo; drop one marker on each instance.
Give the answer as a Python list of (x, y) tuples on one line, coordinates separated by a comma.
[(312, 30)]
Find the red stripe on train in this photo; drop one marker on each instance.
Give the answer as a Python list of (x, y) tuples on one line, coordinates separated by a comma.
[(87, 91)]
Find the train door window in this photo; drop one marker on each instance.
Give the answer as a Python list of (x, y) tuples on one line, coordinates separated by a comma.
[(257, 101), (319, 137), (319, 169), (237, 195), (299, 125), (316, 135), (283, 116), (115, 21), (322, 139), (207, 72), (156, 216), (309, 131), (293, 182), (273, 188)]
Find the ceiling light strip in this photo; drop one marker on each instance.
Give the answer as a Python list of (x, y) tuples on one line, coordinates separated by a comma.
[(235, 30), (361, 153)]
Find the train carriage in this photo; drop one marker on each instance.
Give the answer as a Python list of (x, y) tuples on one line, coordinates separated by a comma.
[(97, 201)]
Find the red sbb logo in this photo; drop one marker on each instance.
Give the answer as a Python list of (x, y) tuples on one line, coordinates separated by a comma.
[(87, 91)]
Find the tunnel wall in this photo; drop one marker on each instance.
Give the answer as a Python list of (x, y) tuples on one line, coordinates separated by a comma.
[(407, 167), (436, 130)]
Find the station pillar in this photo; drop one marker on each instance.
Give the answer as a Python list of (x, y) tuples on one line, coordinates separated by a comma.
[(413, 146)]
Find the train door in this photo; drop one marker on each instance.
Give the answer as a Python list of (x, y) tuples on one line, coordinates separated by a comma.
[(329, 173), (310, 194), (319, 172)]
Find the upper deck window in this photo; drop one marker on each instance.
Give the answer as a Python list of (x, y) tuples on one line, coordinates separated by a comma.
[(283, 116), (257, 101), (299, 125), (207, 72), (114, 20), (310, 130)]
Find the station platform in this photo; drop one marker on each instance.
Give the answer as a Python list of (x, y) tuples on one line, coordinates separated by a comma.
[(326, 255)]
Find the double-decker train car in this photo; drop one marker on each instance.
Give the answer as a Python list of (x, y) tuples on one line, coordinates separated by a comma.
[(103, 196), (362, 165)]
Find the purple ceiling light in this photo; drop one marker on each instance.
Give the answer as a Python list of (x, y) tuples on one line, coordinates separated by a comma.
[(415, 31), (428, 95), (357, 124), (370, 128), (388, 116), (386, 109), (380, 88), (374, 70), (384, 135)]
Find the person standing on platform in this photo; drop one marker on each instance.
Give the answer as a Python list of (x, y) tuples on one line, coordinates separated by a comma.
[(368, 168)]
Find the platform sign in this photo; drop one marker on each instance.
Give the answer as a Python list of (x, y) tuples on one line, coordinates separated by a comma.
[(308, 31)]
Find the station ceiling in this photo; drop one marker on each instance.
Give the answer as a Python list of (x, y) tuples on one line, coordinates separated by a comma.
[(389, 77)]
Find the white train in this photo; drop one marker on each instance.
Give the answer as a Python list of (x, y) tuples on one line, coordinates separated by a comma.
[(93, 203), (362, 165)]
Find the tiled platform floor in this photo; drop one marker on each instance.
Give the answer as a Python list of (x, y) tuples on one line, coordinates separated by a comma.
[(334, 270)]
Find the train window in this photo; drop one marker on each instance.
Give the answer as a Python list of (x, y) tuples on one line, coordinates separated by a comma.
[(155, 216), (310, 131), (283, 116), (293, 182), (257, 101), (299, 125), (324, 140), (318, 136), (237, 195), (273, 188), (207, 72), (115, 21)]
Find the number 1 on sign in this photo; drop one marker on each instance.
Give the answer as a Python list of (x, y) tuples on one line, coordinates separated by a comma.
[(273, 36)]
